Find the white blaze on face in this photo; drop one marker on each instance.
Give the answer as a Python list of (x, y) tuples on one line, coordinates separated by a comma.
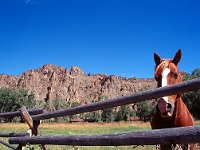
[(164, 80)]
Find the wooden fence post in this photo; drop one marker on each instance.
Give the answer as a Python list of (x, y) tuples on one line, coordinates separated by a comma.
[(33, 124)]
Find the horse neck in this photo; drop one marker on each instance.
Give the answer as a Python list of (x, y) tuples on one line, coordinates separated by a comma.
[(182, 115)]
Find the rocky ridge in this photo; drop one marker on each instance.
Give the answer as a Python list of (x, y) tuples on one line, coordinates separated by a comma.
[(73, 85)]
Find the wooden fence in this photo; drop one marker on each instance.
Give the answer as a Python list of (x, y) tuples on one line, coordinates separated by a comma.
[(17, 113), (152, 137)]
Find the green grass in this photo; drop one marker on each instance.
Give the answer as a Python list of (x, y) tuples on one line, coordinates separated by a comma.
[(78, 129), (92, 128)]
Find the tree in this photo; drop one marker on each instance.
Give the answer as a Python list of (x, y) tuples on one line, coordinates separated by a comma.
[(8, 100), (124, 113), (58, 104), (192, 99), (53, 105), (108, 115), (145, 109), (12, 100), (25, 98), (75, 104), (93, 116)]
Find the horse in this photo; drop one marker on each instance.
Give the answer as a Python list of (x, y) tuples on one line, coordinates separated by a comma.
[(170, 110)]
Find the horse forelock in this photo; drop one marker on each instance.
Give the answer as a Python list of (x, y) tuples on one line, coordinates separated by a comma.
[(165, 63)]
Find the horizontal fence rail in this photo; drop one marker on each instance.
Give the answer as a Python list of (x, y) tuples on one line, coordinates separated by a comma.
[(8, 145), (13, 134), (181, 135), (133, 98), (17, 113)]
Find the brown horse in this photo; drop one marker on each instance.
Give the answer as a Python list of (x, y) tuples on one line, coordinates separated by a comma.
[(170, 110)]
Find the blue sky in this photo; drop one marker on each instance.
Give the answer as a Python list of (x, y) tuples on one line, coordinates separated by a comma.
[(113, 37)]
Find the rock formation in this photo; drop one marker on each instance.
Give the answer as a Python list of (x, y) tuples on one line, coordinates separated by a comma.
[(51, 82)]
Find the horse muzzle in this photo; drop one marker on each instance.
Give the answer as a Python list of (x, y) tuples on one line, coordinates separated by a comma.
[(166, 109)]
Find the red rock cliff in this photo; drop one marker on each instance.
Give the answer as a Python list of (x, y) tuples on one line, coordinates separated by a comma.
[(50, 82)]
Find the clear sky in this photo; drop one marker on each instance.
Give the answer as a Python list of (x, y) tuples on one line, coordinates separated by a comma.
[(113, 37)]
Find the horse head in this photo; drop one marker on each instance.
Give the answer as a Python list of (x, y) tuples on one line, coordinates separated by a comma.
[(167, 73), (171, 111)]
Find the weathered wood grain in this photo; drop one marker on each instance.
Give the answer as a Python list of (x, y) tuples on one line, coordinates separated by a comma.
[(13, 134), (17, 113), (7, 144), (179, 135)]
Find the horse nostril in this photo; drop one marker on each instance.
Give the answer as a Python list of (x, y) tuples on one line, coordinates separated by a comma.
[(169, 105)]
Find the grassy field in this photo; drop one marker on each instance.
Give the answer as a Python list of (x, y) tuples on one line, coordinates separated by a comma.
[(79, 129)]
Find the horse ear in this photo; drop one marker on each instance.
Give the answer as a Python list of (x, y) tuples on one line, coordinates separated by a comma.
[(157, 59), (177, 57)]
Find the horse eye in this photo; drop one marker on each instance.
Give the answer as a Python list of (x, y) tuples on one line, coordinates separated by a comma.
[(175, 75)]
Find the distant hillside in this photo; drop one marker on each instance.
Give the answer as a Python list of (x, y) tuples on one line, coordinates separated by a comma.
[(50, 82)]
